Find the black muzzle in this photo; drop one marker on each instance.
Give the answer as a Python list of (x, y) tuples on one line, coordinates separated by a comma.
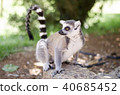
[(61, 32)]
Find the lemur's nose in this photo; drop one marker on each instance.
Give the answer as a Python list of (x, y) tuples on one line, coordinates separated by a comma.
[(61, 32)]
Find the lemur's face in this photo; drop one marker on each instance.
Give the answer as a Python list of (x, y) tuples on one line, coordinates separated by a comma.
[(69, 27)]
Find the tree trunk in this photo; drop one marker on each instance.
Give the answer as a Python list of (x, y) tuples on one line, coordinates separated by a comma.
[(74, 9)]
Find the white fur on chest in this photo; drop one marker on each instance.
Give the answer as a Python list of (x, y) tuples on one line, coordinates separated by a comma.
[(73, 47)]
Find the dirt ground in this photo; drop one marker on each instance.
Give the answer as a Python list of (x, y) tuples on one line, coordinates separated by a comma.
[(25, 61), (103, 45)]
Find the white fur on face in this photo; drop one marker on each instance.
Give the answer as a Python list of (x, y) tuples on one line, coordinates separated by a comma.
[(72, 30)]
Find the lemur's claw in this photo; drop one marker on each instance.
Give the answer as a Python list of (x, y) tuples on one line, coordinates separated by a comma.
[(57, 72), (47, 67), (51, 67)]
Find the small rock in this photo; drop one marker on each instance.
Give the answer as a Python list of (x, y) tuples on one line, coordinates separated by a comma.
[(115, 73), (102, 70), (28, 63), (108, 77), (97, 56), (26, 70), (22, 75), (117, 39), (107, 63), (90, 56), (12, 75), (75, 76), (118, 44), (34, 71), (118, 75)]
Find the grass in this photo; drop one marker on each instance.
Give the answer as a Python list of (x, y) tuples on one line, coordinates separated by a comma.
[(108, 23), (12, 43), (15, 42)]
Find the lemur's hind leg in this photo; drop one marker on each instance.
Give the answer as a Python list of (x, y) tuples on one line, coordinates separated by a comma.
[(75, 58), (42, 54)]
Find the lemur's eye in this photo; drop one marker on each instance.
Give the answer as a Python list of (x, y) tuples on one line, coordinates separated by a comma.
[(67, 28)]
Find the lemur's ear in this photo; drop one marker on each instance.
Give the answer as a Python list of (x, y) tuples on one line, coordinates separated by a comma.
[(77, 23), (62, 21)]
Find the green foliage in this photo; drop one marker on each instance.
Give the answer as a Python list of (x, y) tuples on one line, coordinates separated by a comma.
[(15, 42), (54, 11), (108, 23), (10, 68)]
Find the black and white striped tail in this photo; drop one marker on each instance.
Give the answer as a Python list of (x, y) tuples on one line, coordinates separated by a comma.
[(41, 19)]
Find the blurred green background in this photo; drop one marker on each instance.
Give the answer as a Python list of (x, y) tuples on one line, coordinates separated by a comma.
[(99, 17)]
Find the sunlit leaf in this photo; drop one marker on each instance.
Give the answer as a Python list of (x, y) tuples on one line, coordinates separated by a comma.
[(10, 68)]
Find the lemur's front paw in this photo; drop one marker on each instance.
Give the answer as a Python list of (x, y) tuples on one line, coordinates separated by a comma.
[(57, 71), (46, 67), (51, 67)]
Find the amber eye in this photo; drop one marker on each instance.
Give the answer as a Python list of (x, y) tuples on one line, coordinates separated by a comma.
[(67, 28)]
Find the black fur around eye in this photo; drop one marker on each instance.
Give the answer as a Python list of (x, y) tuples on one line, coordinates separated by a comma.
[(67, 28)]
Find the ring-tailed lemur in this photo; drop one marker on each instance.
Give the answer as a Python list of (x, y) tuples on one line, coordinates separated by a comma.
[(59, 46)]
